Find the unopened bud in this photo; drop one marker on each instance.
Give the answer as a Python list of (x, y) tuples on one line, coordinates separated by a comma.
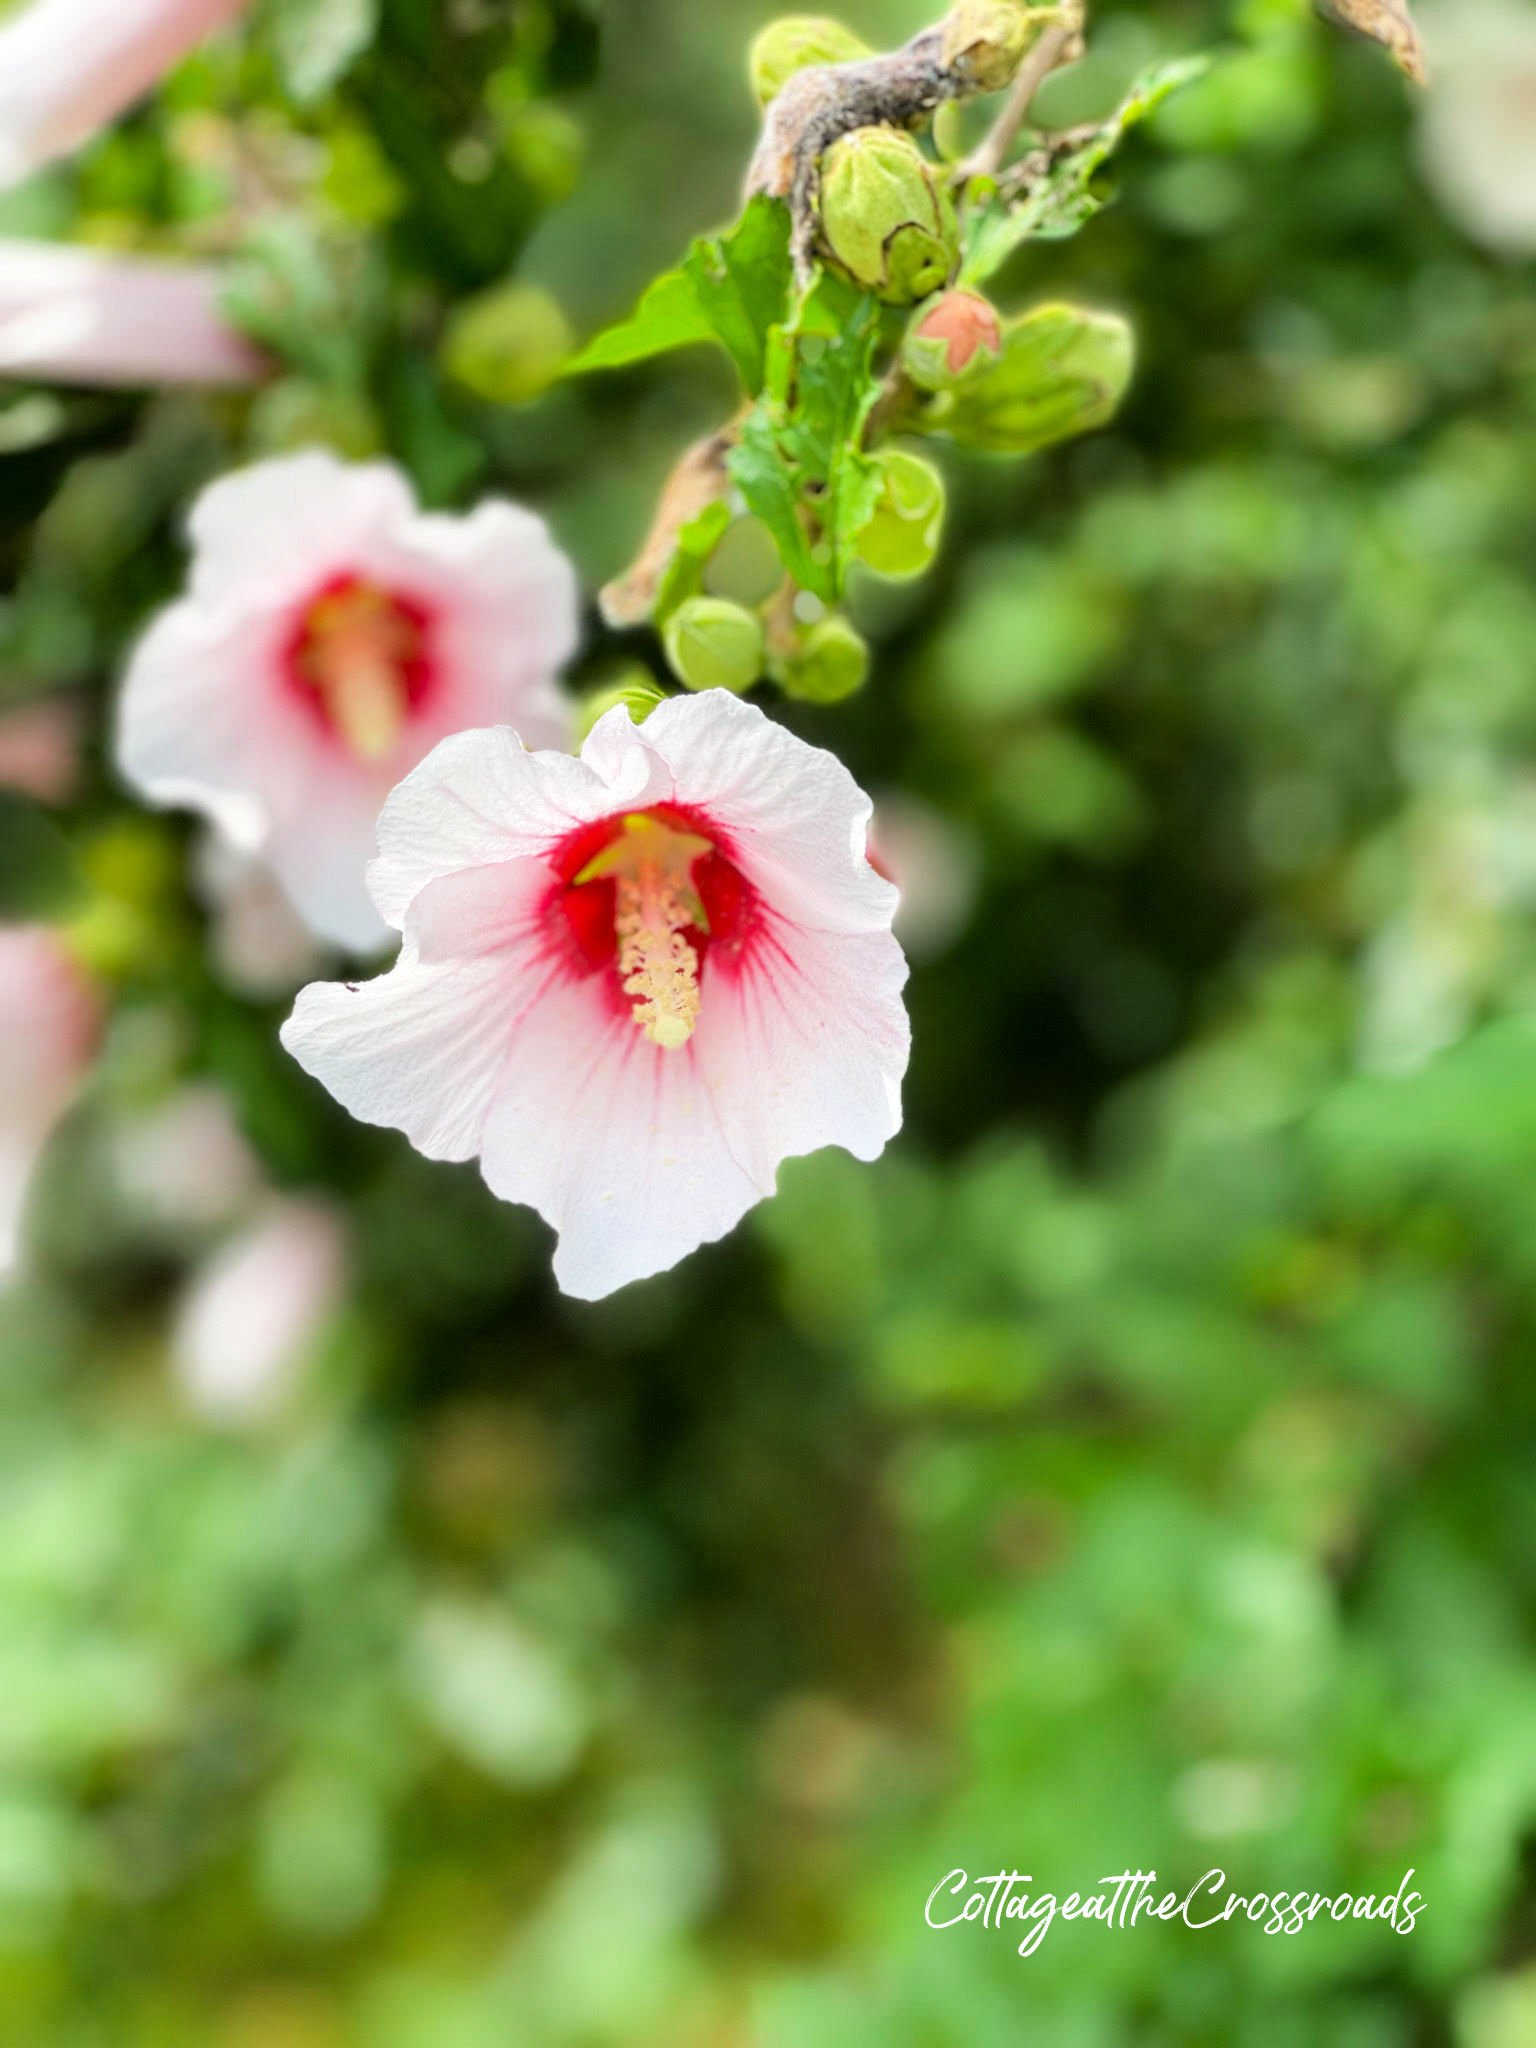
[(901, 538), (1063, 371), (794, 43), (885, 219), (636, 689), (950, 339), (713, 644), (507, 345), (985, 40), (831, 662)]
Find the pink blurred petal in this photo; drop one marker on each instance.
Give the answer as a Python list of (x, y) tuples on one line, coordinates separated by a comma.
[(73, 315), (40, 748), (68, 67), (49, 1020)]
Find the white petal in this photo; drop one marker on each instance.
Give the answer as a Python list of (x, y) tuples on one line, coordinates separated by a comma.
[(806, 1045), (271, 533), (796, 819), (205, 721), (320, 855), (616, 1142), (481, 797), (201, 723), (422, 1048)]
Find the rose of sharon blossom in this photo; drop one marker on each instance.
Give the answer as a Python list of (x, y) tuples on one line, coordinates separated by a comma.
[(330, 636), (631, 983), (48, 1026), (68, 67)]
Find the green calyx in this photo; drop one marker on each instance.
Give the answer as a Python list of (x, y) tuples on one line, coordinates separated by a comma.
[(886, 222), (987, 40), (794, 43), (714, 644), (635, 688), (1063, 371), (830, 663), (952, 339), (902, 535)]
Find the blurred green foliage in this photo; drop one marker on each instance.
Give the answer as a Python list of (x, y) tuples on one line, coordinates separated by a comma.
[(1134, 1467)]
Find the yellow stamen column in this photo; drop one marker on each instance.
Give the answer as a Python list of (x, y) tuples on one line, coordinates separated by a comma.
[(657, 966)]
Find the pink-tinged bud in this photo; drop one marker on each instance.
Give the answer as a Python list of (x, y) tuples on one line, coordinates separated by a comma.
[(68, 67), (72, 315), (955, 335)]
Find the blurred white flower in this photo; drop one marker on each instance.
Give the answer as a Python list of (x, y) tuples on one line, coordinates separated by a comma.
[(48, 1028), (72, 315), (253, 1313), (68, 67), (183, 1165), (1477, 135), (259, 943), (332, 633)]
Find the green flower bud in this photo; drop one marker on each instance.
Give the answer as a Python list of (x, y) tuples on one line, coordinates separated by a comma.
[(1063, 371), (901, 537), (950, 339), (987, 39), (635, 688), (507, 345), (885, 220), (547, 146), (713, 644), (831, 662), (794, 43)]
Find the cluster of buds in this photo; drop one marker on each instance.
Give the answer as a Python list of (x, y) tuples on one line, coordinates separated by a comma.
[(869, 203)]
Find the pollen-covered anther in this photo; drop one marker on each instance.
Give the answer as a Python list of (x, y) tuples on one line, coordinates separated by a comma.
[(657, 966)]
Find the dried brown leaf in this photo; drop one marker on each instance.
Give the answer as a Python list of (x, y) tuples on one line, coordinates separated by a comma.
[(1388, 22)]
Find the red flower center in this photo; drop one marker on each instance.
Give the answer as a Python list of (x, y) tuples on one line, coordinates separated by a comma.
[(360, 656), (649, 897)]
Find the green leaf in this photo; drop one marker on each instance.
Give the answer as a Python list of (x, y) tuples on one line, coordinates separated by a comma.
[(696, 542), (1064, 200), (731, 288), (315, 40), (800, 463), (668, 316), (1063, 371)]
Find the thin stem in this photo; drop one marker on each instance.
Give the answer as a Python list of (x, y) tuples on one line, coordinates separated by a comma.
[(1054, 46)]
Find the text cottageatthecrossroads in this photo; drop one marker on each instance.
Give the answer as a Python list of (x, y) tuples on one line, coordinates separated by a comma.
[(1002, 1903)]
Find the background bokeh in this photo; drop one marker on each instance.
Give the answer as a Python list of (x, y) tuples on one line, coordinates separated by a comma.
[(1133, 1468)]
